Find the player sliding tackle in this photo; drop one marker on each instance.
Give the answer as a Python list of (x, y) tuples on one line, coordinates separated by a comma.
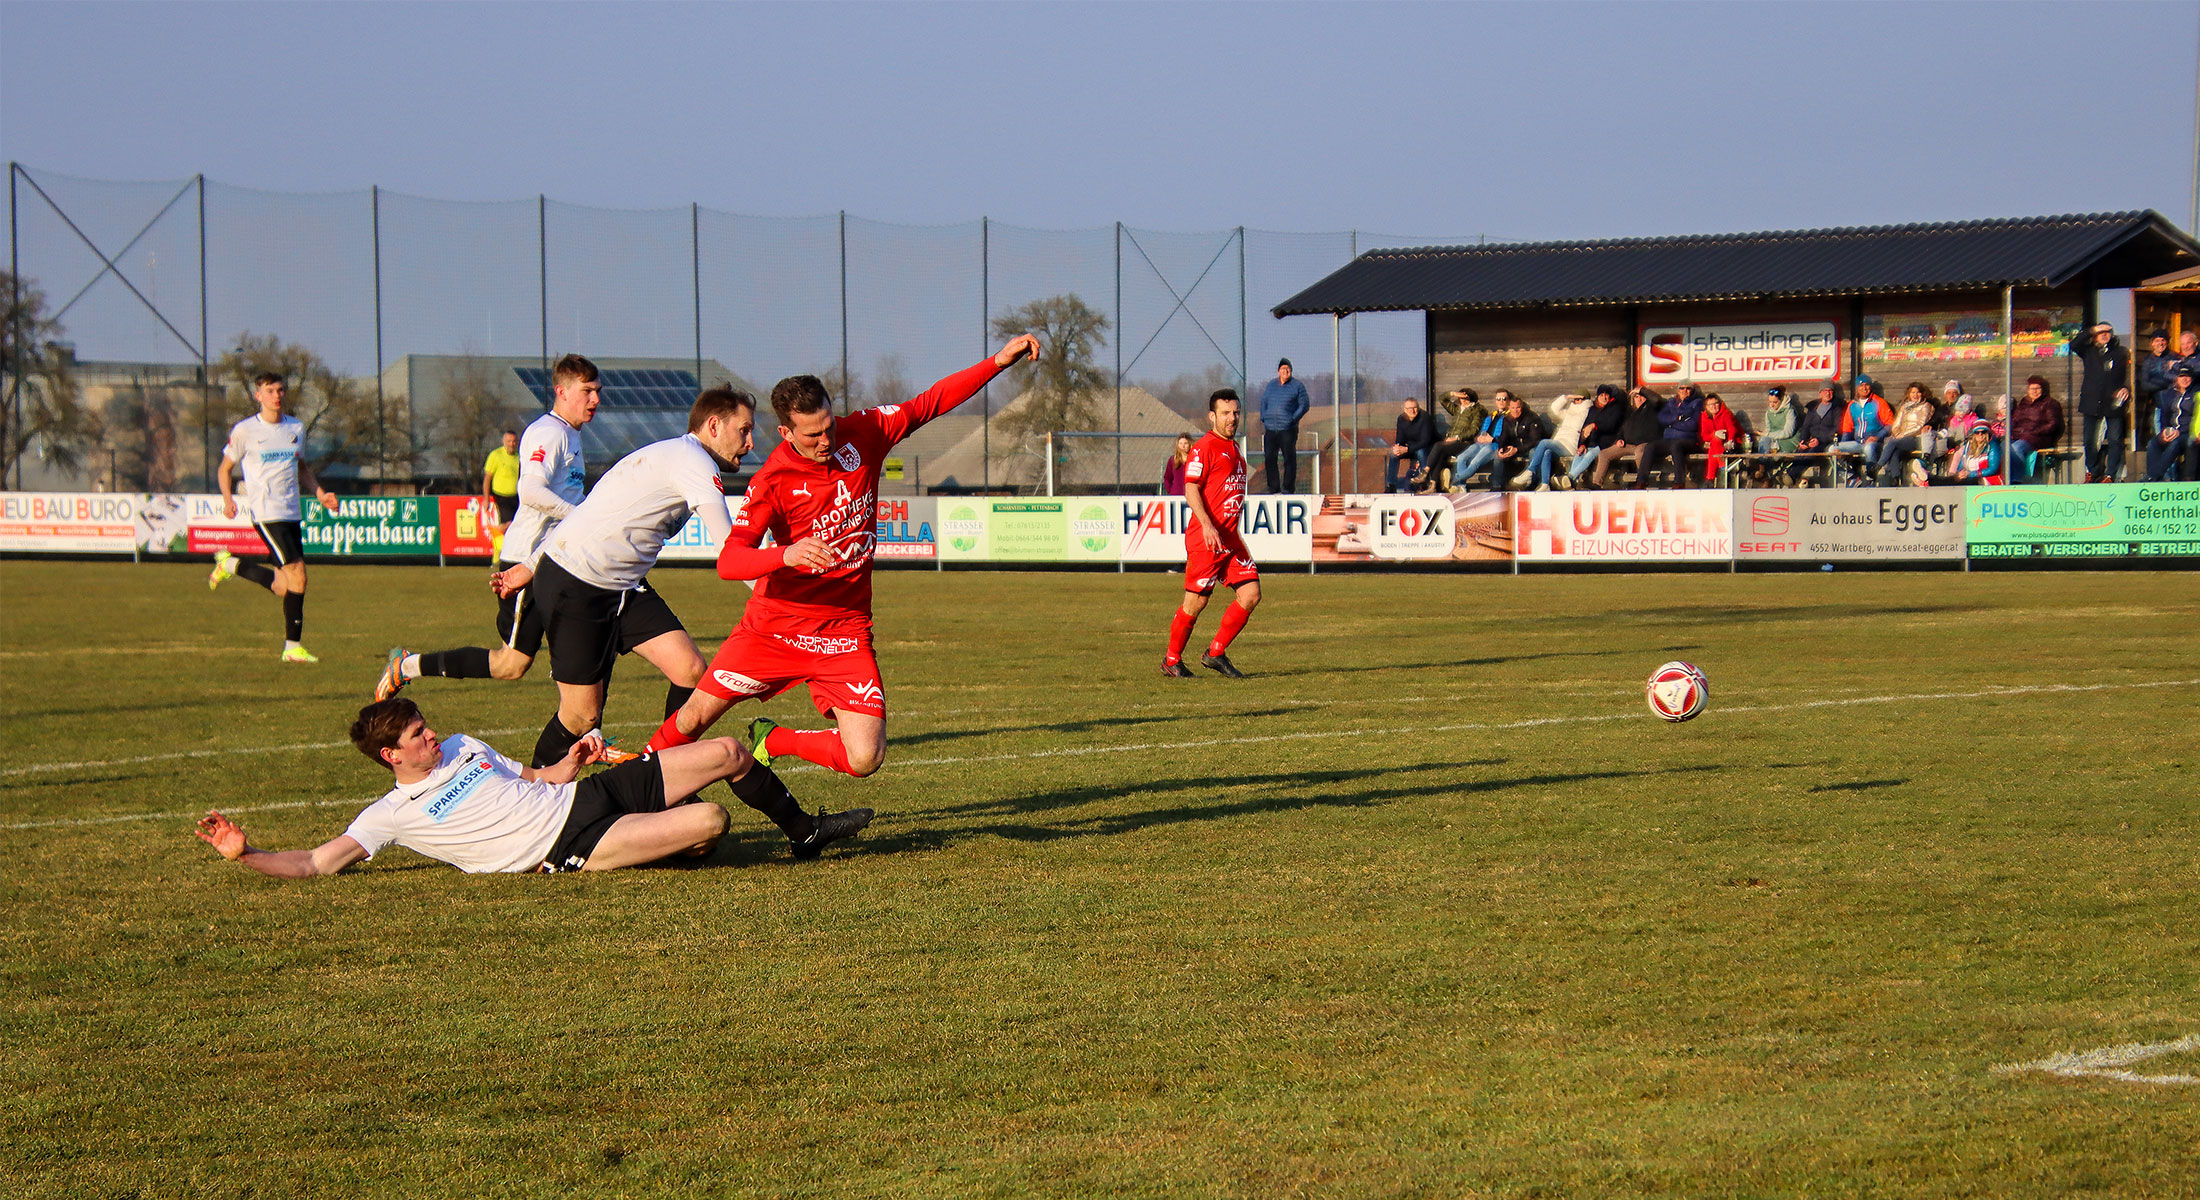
[(459, 801), (809, 620)]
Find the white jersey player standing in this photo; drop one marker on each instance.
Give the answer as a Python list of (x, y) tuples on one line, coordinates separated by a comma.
[(270, 449), (552, 481)]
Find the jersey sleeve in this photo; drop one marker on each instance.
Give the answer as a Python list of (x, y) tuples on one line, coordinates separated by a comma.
[(706, 498), (370, 831), (897, 421), (234, 449), (743, 555), (496, 757), (535, 487), (1195, 465)]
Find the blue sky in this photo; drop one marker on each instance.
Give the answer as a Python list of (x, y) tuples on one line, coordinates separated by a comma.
[(1557, 120)]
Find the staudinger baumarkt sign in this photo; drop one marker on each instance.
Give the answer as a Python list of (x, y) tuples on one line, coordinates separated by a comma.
[(2123, 520)]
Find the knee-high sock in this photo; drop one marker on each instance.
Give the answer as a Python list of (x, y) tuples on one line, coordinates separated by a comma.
[(294, 615), (675, 696), (469, 662), (1233, 619), (821, 746), (259, 573), (668, 735), (764, 792), (1180, 632), (556, 739)]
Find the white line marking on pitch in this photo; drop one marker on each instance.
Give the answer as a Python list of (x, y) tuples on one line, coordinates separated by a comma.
[(1075, 751), (2107, 1063)]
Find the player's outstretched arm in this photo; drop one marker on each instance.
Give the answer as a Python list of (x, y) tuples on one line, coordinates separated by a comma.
[(587, 750), (327, 858)]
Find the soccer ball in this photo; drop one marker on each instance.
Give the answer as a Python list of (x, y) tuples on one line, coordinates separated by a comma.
[(1677, 691)]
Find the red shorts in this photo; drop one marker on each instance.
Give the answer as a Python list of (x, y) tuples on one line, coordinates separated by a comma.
[(1204, 568), (840, 669)]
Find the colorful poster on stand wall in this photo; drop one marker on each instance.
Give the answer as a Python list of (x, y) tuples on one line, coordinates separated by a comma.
[(2102, 520)]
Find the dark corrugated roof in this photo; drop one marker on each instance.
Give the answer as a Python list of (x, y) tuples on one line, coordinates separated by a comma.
[(2121, 248)]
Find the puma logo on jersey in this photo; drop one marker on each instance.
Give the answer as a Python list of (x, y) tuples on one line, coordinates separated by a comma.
[(803, 491), (848, 457)]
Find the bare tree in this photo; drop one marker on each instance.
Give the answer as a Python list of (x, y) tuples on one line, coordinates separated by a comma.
[(341, 424), (39, 399), (472, 414), (890, 380), (1061, 388)]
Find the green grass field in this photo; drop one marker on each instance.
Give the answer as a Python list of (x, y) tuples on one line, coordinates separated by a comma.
[(1430, 906)]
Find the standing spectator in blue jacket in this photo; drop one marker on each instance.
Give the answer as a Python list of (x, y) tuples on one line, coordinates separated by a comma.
[(2173, 413), (1681, 425), (1283, 404)]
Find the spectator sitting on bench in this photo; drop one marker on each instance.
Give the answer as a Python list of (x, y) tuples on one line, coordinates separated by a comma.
[(1680, 435), (1481, 444), (1599, 429), (1720, 433), (1409, 450), (1905, 436), (1863, 427), (1465, 412), (1568, 412), (2173, 414), (2035, 426), (1978, 459), (1637, 430), (1960, 419), (1518, 431), (1819, 430)]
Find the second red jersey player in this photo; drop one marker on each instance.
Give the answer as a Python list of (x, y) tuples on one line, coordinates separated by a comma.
[(809, 620), (1214, 551)]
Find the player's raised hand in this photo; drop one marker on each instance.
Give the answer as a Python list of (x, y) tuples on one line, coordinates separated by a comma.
[(809, 554), (511, 579), (1019, 348), (590, 749), (222, 834)]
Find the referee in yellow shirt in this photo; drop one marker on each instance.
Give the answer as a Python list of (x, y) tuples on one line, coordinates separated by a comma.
[(500, 481)]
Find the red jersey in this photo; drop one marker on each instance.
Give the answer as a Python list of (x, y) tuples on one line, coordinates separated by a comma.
[(835, 501), (1218, 470)]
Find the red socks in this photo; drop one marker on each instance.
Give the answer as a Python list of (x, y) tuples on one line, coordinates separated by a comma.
[(1233, 619), (1180, 632), (668, 735), (821, 746)]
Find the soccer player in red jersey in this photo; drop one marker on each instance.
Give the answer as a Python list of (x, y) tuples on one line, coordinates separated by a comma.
[(809, 620), (1214, 484)]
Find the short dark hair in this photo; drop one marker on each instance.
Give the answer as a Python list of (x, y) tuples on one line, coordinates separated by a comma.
[(381, 724), (264, 378), (1467, 395), (511, 433), (799, 394), (572, 368), (720, 401), (2047, 391), (1220, 395)]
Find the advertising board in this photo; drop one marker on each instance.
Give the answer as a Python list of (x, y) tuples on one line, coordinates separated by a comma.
[(464, 527), (1460, 527), (1848, 524), (1277, 529), (905, 529), (406, 526), (1752, 352), (2119, 520), (1560, 527), (1033, 529), (69, 522)]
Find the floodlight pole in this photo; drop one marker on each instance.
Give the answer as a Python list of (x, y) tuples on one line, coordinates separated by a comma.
[(381, 415), (206, 370), (542, 268), (15, 310), (1336, 392), (985, 342), (1118, 364), (2008, 379)]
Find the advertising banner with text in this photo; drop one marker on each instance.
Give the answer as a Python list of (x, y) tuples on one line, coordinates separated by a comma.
[(69, 522), (1848, 524), (1563, 527), (1033, 529), (1277, 529), (1460, 527), (2118, 520), (1747, 353), (905, 529), (396, 525)]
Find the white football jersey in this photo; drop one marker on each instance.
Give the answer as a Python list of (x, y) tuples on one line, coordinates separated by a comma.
[(474, 812), (550, 453), (611, 541), (269, 455)]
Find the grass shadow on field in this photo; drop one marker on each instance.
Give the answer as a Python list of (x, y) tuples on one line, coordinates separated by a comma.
[(1492, 661), (1282, 793), (1088, 725), (1861, 785), (1766, 614)]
